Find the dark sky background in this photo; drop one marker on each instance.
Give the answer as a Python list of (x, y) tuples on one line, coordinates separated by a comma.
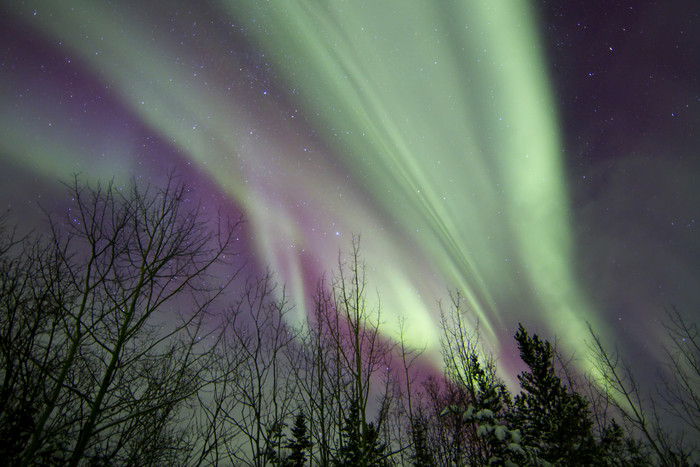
[(625, 76), (332, 130)]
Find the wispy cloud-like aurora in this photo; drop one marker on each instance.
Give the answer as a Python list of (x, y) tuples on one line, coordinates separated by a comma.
[(427, 127)]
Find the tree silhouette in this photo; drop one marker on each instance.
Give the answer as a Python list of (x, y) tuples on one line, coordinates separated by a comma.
[(361, 444), (338, 363), (554, 420), (640, 410), (101, 352), (111, 354), (300, 443)]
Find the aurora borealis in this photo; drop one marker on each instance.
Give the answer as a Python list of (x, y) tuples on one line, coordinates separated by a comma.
[(487, 147)]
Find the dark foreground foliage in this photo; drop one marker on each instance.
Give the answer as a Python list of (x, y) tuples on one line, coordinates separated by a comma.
[(128, 336)]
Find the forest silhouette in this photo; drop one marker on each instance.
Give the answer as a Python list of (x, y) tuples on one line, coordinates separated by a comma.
[(131, 335)]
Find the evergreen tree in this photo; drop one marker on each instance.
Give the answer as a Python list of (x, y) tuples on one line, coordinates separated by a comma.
[(494, 443), (300, 443), (273, 443), (554, 420), (422, 455), (617, 449), (358, 452)]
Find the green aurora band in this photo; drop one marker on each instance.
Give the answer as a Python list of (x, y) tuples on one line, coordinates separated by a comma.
[(439, 144)]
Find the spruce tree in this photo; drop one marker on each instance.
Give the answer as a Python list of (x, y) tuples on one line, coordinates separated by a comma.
[(300, 443), (422, 455), (493, 442), (554, 420), (355, 450)]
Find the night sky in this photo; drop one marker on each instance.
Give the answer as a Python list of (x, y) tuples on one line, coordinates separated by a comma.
[(542, 161)]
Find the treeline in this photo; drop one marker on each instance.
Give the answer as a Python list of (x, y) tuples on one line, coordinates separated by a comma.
[(129, 335)]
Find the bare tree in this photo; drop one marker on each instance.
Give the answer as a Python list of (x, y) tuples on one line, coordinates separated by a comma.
[(245, 411), (681, 390), (29, 319), (316, 371), (127, 278), (625, 396), (364, 357), (446, 434), (473, 372), (216, 435), (340, 364), (411, 403)]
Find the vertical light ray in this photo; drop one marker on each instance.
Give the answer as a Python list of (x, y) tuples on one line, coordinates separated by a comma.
[(387, 84)]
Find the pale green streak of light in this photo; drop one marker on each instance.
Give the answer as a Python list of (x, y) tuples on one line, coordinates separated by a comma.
[(141, 72), (532, 167), (166, 97), (399, 121), (39, 140), (158, 92), (331, 70), (496, 133)]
